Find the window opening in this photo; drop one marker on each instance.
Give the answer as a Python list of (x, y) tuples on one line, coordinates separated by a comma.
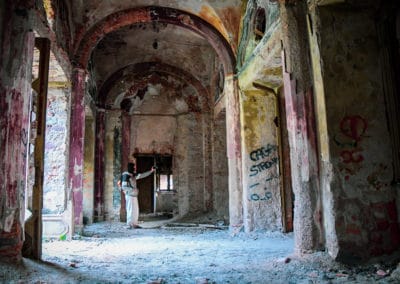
[(164, 176), (259, 23)]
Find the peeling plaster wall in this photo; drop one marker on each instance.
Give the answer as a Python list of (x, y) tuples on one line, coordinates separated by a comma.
[(16, 53), (182, 163), (112, 195), (224, 16), (88, 171), (196, 157), (364, 200), (54, 185), (261, 177), (249, 46), (156, 134), (181, 136), (233, 151), (220, 170), (167, 202), (153, 134)]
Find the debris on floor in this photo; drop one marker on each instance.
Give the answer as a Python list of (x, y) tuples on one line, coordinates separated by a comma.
[(108, 253)]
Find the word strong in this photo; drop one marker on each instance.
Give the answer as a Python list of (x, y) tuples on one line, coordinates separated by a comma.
[(263, 155)]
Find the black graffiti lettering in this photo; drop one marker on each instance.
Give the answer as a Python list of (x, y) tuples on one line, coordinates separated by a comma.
[(256, 169), (256, 197), (254, 185), (262, 153), (253, 170)]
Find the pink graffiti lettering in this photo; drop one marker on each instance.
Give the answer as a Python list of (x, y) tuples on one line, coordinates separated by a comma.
[(352, 131), (350, 156), (353, 127)]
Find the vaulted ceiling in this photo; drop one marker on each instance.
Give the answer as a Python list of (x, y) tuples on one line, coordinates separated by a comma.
[(133, 48)]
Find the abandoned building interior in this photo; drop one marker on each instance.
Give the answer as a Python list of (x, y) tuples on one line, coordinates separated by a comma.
[(261, 115)]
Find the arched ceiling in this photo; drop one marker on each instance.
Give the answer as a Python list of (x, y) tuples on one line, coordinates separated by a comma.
[(154, 42), (113, 36), (223, 15)]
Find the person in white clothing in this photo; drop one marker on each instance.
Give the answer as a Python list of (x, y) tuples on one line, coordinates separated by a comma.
[(129, 187)]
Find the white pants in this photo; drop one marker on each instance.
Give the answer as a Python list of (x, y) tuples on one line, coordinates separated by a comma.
[(132, 210)]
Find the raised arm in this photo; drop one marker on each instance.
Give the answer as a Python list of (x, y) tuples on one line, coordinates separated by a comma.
[(145, 174)]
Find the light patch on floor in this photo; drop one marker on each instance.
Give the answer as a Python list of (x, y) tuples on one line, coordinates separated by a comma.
[(110, 253)]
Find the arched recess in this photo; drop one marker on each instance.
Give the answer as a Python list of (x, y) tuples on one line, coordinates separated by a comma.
[(147, 68), (145, 73), (166, 15)]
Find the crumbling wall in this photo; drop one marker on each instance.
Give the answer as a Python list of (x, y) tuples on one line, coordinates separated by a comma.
[(181, 164), (54, 184), (363, 198), (300, 123), (220, 169), (112, 168), (252, 39), (153, 134), (16, 53), (195, 190), (88, 171), (261, 175)]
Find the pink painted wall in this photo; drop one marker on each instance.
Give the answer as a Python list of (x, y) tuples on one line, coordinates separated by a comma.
[(16, 53), (360, 147)]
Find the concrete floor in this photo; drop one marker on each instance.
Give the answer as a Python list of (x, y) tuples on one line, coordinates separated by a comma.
[(165, 252)]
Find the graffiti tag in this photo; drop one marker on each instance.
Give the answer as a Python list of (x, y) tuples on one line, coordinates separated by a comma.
[(258, 168), (257, 197), (265, 159), (353, 127), (352, 131), (263, 152)]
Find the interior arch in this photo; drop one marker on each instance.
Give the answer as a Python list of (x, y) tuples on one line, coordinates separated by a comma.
[(124, 18)]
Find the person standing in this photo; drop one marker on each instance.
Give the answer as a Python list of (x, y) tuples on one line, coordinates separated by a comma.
[(129, 187)]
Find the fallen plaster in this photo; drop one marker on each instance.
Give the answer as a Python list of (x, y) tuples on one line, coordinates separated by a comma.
[(107, 252)]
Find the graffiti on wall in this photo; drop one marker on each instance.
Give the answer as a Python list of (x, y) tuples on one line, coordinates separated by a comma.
[(374, 179), (352, 131), (264, 158), (259, 155)]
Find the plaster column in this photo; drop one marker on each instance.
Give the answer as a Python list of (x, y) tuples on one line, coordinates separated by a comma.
[(262, 203), (76, 146), (16, 53), (234, 153), (125, 145), (99, 166), (207, 165), (355, 124), (301, 127)]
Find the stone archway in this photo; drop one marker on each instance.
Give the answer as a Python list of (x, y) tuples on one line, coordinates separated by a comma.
[(121, 19)]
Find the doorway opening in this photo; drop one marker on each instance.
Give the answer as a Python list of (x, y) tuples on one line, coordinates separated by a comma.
[(157, 194), (45, 197)]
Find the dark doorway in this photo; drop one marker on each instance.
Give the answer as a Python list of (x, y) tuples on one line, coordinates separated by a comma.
[(145, 185)]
